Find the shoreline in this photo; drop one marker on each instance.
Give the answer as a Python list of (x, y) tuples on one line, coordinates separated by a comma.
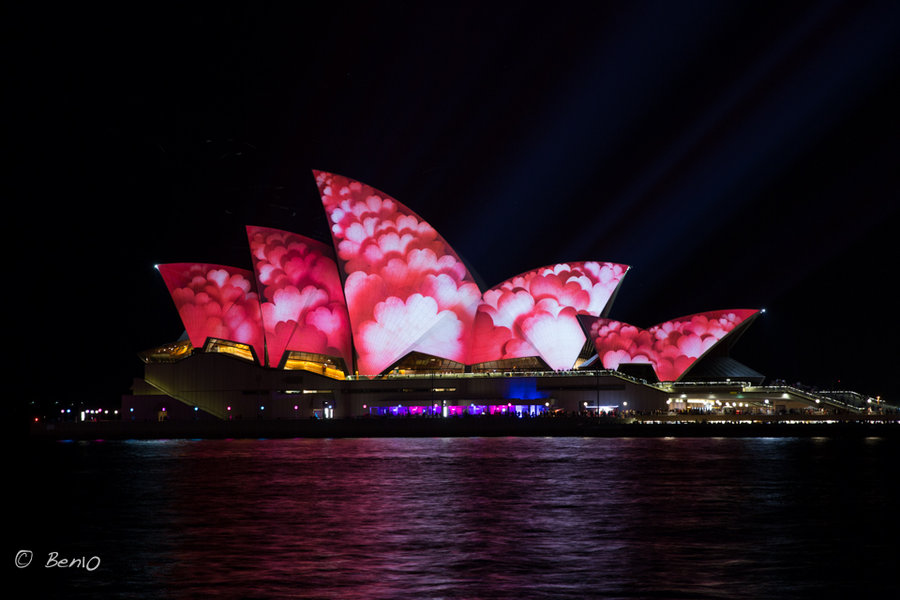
[(462, 427)]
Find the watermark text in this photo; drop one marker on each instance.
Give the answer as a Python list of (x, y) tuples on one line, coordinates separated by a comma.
[(88, 563)]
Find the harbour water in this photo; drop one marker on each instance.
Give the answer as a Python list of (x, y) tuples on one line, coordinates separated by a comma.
[(458, 518)]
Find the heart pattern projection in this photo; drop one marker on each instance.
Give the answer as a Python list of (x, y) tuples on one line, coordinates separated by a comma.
[(215, 301), (670, 347), (406, 289), (534, 314), (302, 302)]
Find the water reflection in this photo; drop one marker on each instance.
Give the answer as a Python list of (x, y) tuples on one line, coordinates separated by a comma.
[(473, 517)]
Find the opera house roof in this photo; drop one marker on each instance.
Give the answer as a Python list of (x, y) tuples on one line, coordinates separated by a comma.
[(391, 285)]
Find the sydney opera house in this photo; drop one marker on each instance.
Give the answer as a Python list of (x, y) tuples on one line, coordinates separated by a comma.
[(389, 321)]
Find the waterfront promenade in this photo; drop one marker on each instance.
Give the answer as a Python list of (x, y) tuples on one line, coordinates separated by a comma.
[(484, 426)]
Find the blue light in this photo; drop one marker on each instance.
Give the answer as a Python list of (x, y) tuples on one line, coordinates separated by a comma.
[(523, 389)]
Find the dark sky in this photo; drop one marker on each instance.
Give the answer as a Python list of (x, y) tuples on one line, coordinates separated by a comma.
[(736, 154)]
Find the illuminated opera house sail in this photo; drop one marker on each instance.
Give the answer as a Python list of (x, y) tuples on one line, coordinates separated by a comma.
[(388, 319)]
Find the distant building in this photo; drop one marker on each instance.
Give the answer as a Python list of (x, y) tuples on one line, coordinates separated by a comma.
[(390, 322)]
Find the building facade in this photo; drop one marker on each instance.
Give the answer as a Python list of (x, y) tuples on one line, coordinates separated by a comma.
[(388, 321)]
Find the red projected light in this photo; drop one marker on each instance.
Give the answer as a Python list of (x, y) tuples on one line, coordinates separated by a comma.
[(671, 347), (303, 306), (392, 286), (534, 314), (406, 288), (215, 301)]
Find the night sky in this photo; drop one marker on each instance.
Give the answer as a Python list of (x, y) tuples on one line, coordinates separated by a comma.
[(737, 155)]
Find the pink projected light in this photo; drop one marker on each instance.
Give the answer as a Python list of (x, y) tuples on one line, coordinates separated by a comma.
[(392, 286), (303, 306), (406, 289), (671, 347), (534, 314), (215, 301)]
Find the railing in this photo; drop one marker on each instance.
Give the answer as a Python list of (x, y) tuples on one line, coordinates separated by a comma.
[(497, 374), (817, 397), (854, 398)]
